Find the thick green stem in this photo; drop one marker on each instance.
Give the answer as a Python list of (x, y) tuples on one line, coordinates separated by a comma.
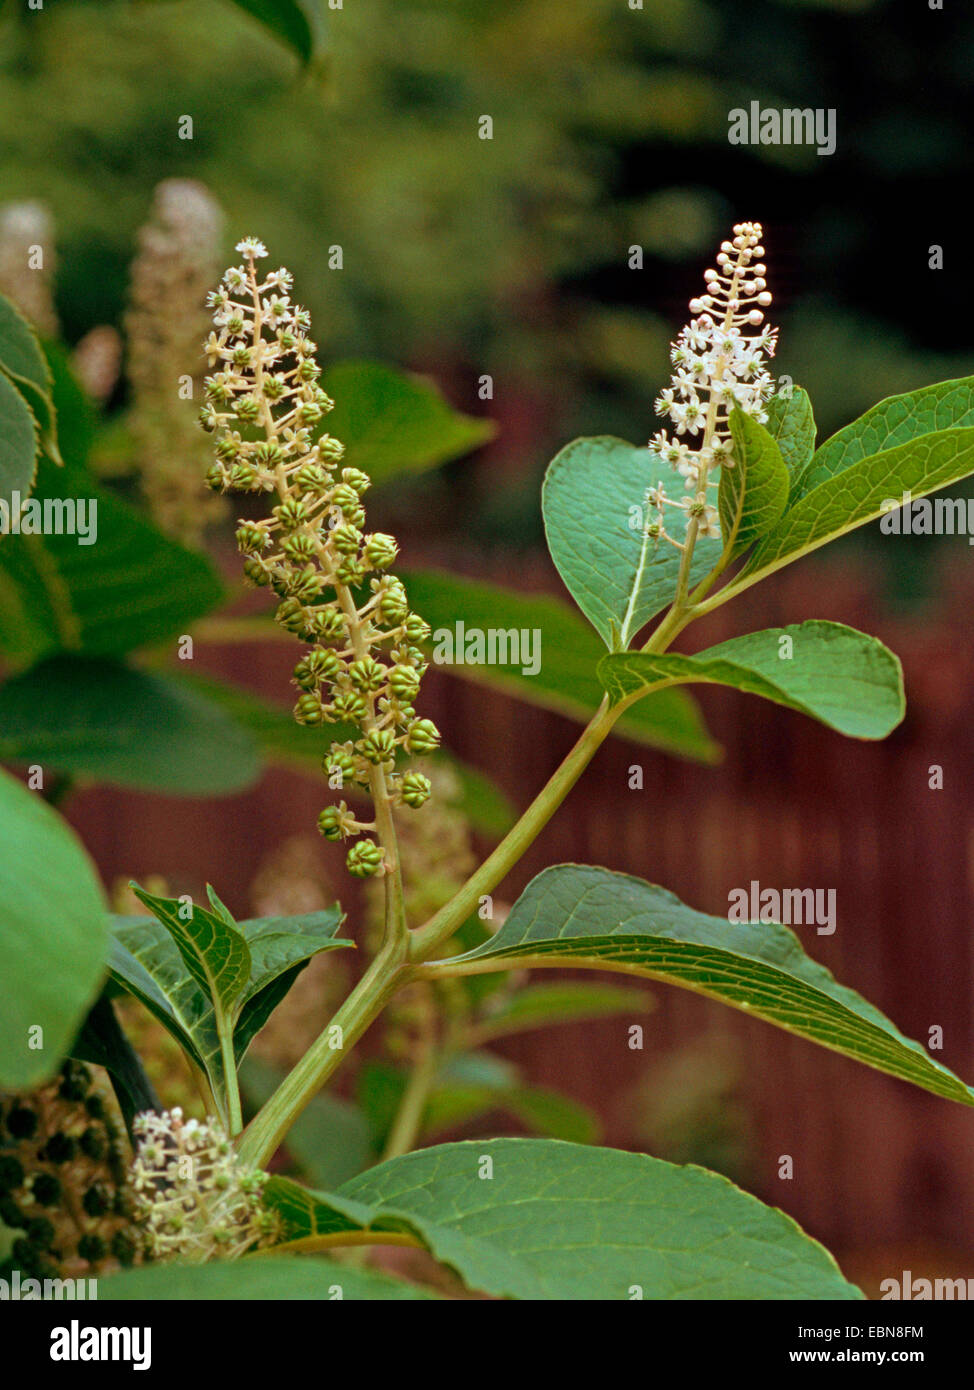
[(444, 923), (262, 1136)]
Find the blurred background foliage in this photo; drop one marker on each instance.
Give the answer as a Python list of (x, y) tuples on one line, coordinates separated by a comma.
[(510, 256)]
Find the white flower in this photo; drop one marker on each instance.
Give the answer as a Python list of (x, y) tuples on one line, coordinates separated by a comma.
[(714, 356), (251, 247)]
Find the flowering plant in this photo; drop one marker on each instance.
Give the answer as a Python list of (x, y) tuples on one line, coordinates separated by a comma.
[(520, 1218)]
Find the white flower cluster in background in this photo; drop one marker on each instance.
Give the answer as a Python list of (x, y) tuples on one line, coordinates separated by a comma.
[(717, 366), (193, 1199)]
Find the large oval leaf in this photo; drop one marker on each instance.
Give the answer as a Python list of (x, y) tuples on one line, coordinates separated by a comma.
[(95, 718), (53, 932), (832, 673), (541, 1219), (595, 515), (791, 425), (572, 915), (947, 405), (754, 490), (569, 653), (857, 494)]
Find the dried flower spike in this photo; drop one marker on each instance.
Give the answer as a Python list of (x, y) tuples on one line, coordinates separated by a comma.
[(717, 367), (194, 1200), (178, 259), (363, 666)]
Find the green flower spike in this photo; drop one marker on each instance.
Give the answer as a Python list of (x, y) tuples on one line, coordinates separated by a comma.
[(263, 402)]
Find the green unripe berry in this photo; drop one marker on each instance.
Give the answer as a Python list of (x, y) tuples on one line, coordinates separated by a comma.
[(243, 477), (346, 539), (349, 705), (345, 498), (308, 710), (416, 628), (330, 822), (251, 538), (329, 623), (378, 746), (350, 572), (367, 674), (216, 478), (257, 572), (300, 546), (415, 789), (364, 859), (317, 666), (311, 478), (248, 409), (292, 513), (404, 682), (422, 737), (355, 478), (381, 550)]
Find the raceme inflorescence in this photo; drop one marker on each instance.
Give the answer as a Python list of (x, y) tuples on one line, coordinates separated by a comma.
[(363, 666), (717, 367), (193, 1199)]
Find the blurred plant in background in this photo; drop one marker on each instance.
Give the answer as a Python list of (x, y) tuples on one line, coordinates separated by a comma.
[(509, 257)]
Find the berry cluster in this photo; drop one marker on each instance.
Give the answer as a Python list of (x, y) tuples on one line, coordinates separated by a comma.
[(265, 407), (62, 1179)]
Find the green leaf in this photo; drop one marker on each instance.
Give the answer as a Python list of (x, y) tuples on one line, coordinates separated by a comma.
[(53, 931), (18, 453), (302, 746), (330, 1141), (570, 653), (146, 961), (791, 425), (568, 1001), (595, 514), (287, 20), (392, 424), (268, 1277), (133, 587), (861, 492), (572, 915), (23, 361), (947, 405), (215, 953), (94, 718), (569, 1221), (841, 677), (753, 493)]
